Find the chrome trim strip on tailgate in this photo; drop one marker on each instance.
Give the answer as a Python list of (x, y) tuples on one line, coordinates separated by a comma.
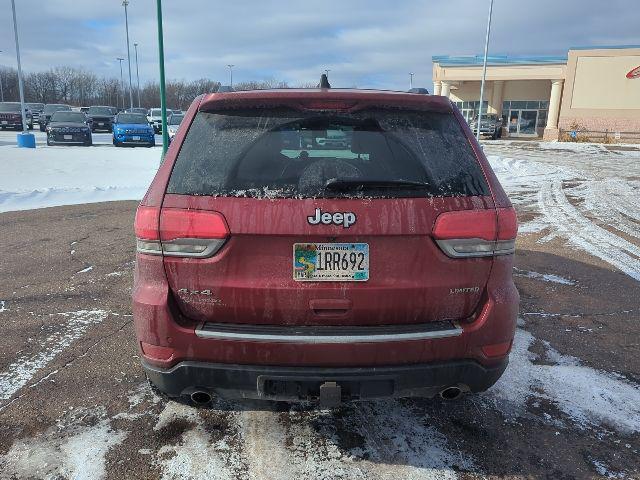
[(327, 334)]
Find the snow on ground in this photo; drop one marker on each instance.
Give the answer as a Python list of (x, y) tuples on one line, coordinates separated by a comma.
[(385, 439), (545, 277), (586, 194), (589, 397), (80, 454), (25, 366), (51, 176)]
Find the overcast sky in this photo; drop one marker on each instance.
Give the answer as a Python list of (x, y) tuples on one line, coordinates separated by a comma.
[(370, 43)]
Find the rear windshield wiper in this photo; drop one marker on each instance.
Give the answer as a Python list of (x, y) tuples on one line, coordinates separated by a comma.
[(359, 184)]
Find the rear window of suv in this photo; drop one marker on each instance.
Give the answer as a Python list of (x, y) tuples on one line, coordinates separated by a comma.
[(302, 154)]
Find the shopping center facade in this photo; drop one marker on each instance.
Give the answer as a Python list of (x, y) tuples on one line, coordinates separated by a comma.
[(594, 88)]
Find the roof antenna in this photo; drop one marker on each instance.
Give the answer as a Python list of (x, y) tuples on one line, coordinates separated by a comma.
[(324, 81)]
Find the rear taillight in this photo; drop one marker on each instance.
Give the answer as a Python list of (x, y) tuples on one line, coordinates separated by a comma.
[(476, 233), (179, 232)]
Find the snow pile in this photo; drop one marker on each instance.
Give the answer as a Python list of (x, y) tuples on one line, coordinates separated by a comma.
[(50, 176), (590, 397)]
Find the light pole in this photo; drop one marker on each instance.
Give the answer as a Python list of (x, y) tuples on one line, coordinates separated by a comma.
[(326, 72), (125, 3), (1, 91), (25, 139), (121, 80), (484, 70), (231, 74), (410, 80), (135, 46), (163, 100)]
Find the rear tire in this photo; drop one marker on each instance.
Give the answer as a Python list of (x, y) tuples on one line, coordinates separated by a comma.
[(88, 143), (48, 142)]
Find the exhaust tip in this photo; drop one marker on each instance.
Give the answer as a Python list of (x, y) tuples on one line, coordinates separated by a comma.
[(451, 393), (200, 397)]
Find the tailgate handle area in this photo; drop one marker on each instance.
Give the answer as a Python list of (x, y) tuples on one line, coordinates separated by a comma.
[(330, 307)]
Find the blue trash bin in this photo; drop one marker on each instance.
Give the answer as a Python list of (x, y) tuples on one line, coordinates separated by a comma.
[(26, 140)]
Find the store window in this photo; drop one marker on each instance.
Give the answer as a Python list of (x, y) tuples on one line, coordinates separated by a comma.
[(469, 109), (524, 117)]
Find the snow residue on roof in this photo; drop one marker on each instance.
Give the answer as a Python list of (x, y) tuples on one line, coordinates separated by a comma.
[(51, 176), (589, 397), (545, 277), (75, 448), (25, 366)]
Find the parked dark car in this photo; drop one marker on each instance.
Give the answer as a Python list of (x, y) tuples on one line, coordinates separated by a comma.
[(133, 129), (10, 116), (269, 267), (36, 110), (48, 110), (69, 128), (420, 90), (101, 118), (491, 125)]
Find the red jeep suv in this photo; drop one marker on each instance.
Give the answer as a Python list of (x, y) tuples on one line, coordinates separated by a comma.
[(324, 245)]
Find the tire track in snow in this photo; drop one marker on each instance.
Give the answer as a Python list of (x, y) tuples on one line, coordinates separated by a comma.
[(580, 231)]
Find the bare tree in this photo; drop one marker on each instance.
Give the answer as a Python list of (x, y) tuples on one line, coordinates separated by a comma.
[(80, 87)]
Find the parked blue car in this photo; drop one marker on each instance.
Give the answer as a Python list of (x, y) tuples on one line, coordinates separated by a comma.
[(133, 129)]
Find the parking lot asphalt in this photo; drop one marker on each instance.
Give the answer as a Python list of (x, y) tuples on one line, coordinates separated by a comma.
[(74, 402)]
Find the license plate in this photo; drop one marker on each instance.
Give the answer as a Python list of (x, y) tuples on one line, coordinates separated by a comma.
[(331, 262), (5, 122), (101, 124), (135, 138), (68, 137)]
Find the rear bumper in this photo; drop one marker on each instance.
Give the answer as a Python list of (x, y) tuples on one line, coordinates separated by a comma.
[(303, 383)]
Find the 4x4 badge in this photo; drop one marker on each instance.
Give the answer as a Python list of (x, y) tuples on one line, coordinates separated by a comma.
[(346, 219)]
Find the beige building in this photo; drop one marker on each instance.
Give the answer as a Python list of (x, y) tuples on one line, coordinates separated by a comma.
[(596, 87)]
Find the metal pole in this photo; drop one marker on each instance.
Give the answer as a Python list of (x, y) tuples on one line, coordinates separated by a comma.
[(484, 70), (410, 81), (231, 74), (163, 101), (135, 46), (326, 71), (1, 91), (121, 80), (126, 22), (20, 84)]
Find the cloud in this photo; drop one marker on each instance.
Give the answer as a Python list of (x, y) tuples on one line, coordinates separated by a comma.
[(370, 43)]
